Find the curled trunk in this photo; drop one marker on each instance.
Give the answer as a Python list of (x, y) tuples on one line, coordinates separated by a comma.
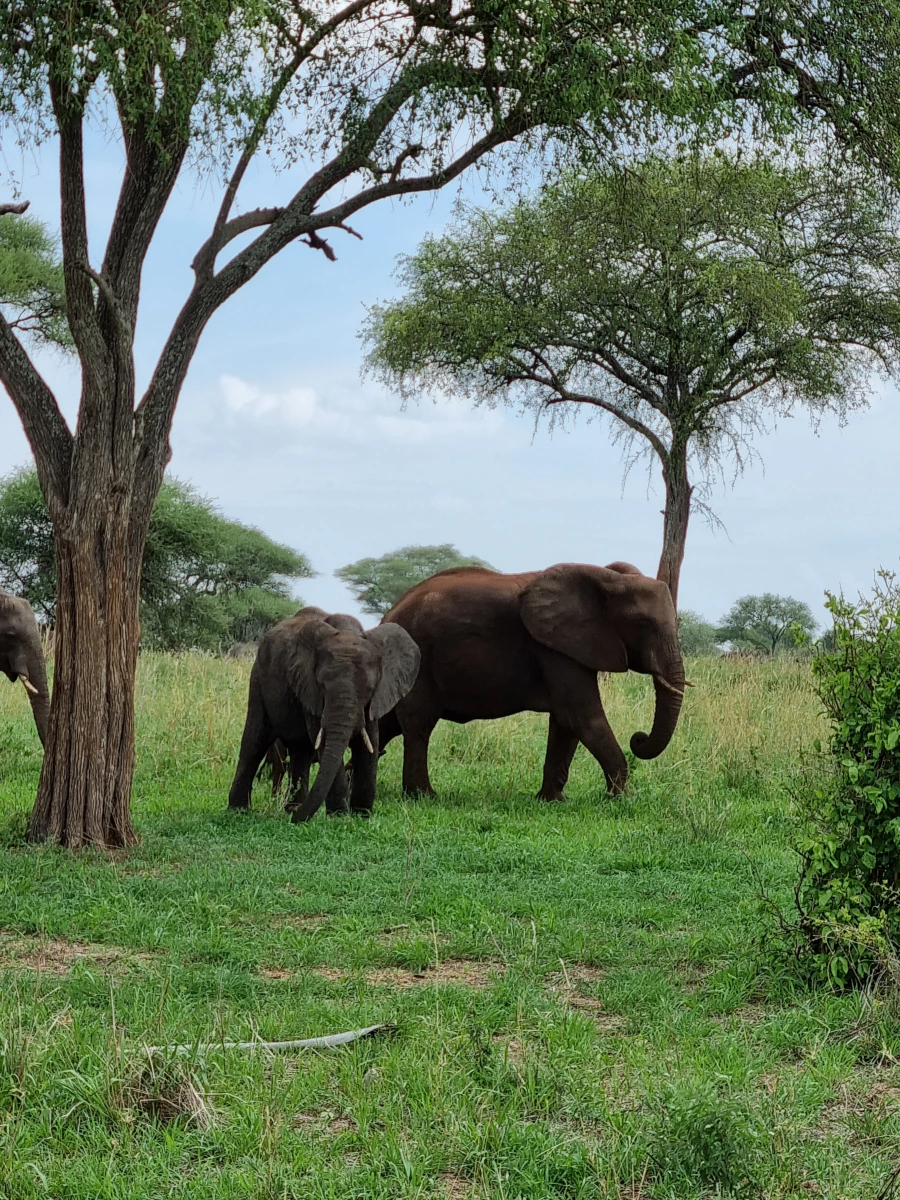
[(669, 685)]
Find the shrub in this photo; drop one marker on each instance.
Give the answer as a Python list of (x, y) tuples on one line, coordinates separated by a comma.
[(705, 1139), (848, 892)]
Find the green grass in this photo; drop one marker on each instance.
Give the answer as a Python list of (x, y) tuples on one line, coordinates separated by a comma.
[(626, 1034)]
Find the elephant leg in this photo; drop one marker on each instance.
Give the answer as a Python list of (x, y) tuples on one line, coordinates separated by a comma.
[(417, 722), (601, 741), (365, 774), (561, 746), (257, 738), (577, 707), (299, 761)]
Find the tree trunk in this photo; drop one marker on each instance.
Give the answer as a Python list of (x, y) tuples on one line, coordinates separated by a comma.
[(85, 788), (676, 516)]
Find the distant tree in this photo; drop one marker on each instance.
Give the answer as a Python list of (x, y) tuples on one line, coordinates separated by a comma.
[(696, 635), (690, 300), (206, 580), (32, 295), (378, 583), (765, 622)]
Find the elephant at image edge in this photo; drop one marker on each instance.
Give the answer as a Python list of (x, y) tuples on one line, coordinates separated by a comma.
[(493, 645), (22, 658), (321, 683)]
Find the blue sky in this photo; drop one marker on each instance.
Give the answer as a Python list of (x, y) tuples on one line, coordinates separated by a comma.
[(275, 424)]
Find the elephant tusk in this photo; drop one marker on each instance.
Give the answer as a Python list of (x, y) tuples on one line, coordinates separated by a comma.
[(687, 683), (367, 741), (319, 737), (668, 686), (29, 686)]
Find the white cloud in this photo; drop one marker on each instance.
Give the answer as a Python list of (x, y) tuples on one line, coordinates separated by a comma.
[(295, 407)]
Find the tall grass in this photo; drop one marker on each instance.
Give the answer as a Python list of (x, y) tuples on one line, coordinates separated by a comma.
[(583, 1000)]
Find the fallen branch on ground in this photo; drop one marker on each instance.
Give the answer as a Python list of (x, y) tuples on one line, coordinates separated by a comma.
[(328, 1042)]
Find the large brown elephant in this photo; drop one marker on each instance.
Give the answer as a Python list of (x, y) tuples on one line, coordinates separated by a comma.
[(21, 656), (493, 645), (321, 683)]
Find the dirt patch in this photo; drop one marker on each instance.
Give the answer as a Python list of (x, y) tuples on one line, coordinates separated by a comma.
[(54, 956), (330, 1123), (474, 973), (513, 1049), (876, 1097), (454, 1186), (572, 985), (276, 973)]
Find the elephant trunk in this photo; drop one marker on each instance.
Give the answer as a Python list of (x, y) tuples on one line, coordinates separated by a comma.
[(32, 671), (669, 684), (339, 722)]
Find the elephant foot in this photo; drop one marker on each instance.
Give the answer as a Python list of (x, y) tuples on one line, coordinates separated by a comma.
[(617, 785), (361, 812), (338, 812), (557, 796), (415, 793), (238, 806)]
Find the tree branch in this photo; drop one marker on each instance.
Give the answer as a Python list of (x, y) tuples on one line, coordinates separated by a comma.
[(45, 427), (18, 209)]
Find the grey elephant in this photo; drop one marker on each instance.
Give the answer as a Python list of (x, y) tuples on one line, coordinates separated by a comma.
[(321, 683), (22, 658)]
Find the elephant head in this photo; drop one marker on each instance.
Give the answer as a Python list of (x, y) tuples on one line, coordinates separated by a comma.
[(346, 678), (21, 656), (613, 619)]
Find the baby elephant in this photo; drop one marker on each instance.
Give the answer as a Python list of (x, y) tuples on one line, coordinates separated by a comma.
[(320, 683)]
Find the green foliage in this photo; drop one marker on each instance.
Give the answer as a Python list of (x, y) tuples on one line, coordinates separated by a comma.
[(32, 296), (206, 581), (696, 636), (707, 1139), (685, 298), (766, 623), (378, 583), (563, 979), (850, 894), (27, 563)]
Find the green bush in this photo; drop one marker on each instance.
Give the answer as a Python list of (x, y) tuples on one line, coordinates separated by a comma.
[(704, 1139), (851, 852)]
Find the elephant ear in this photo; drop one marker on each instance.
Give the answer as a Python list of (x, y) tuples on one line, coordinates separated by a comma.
[(400, 666), (570, 608)]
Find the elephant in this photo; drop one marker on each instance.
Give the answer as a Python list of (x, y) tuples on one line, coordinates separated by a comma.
[(243, 650), (321, 683), (494, 644), (22, 658)]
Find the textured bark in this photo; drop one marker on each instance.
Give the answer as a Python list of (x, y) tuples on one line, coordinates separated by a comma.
[(85, 788), (676, 517)]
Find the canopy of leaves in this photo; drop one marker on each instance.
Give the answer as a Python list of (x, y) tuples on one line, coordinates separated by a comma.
[(378, 583), (684, 297), (206, 582), (765, 623), (696, 636), (32, 296)]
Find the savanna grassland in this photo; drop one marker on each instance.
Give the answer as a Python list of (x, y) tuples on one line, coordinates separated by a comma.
[(586, 1000)]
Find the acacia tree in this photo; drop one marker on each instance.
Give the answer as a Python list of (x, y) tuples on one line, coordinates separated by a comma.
[(206, 581), (765, 622), (364, 100), (689, 299), (378, 583)]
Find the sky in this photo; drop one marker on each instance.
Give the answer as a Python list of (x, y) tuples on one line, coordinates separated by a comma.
[(276, 425)]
